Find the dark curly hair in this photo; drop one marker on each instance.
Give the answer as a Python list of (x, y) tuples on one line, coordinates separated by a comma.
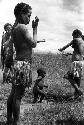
[(7, 24), (21, 8), (41, 72), (77, 32)]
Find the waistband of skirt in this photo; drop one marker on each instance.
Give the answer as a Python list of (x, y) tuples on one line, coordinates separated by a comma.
[(25, 61)]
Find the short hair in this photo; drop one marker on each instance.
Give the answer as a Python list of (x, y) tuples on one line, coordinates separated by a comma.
[(21, 8), (41, 71), (7, 24), (77, 32)]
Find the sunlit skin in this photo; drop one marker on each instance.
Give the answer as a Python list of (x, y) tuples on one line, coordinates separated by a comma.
[(78, 55), (78, 45), (8, 29), (23, 43)]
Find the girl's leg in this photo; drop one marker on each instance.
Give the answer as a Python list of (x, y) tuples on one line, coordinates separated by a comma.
[(75, 85), (35, 97), (78, 80), (9, 107), (16, 110), (42, 97), (30, 78), (19, 92)]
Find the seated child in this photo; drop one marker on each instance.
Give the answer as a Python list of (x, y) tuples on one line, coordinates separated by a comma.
[(39, 85)]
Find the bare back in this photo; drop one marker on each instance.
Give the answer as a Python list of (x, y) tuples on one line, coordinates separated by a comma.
[(78, 46)]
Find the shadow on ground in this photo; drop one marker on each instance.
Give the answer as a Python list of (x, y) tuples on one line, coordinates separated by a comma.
[(62, 98), (61, 122), (69, 122)]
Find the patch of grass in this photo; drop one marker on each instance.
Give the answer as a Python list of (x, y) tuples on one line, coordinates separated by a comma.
[(54, 112)]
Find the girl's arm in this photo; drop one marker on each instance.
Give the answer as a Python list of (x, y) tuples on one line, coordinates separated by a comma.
[(66, 46)]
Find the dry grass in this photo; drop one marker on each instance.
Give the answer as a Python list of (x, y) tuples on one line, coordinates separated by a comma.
[(54, 112)]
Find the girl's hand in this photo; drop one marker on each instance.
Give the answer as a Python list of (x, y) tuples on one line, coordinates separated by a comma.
[(60, 50), (35, 23)]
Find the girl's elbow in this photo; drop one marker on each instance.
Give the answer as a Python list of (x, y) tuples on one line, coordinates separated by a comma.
[(34, 45)]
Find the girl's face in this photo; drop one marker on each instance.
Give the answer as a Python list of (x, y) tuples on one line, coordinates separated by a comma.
[(26, 17), (9, 28)]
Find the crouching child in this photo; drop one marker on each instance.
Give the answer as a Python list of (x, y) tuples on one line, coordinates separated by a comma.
[(39, 85)]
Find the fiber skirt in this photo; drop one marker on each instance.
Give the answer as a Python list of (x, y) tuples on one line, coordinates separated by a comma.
[(19, 73)]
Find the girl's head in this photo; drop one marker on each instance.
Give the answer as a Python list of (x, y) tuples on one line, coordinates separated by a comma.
[(76, 33), (23, 12), (41, 72), (8, 27)]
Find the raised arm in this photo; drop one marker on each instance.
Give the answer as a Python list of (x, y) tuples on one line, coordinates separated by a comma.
[(34, 26), (66, 46), (28, 37)]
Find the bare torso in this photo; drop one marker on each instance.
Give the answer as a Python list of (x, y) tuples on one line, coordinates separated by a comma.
[(78, 46), (23, 42)]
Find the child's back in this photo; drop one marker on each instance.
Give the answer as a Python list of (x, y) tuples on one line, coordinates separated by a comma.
[(39, 85)]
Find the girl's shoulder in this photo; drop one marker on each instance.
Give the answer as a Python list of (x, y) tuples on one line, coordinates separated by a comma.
[(21, 27)]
